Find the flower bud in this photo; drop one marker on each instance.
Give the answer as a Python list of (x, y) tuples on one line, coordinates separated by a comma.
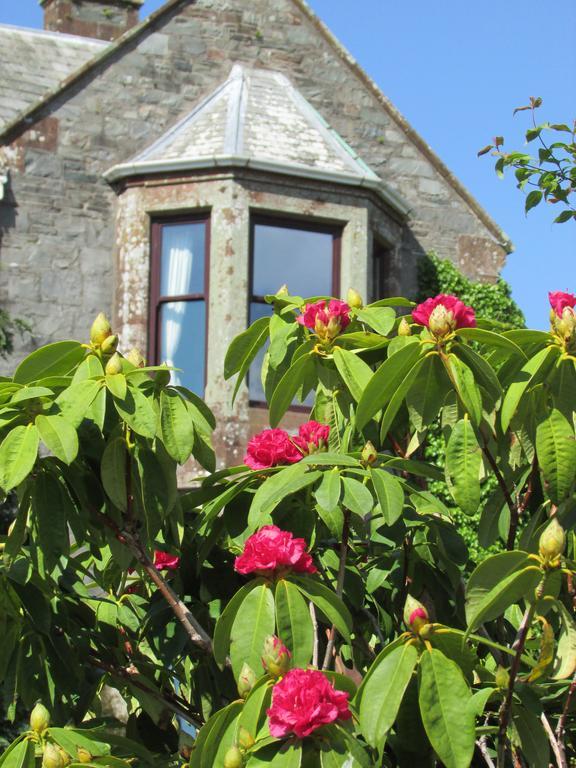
[(100, 329), (136, 358), (276, 658), (83, 755), (246, 680), (404, 328), (162, 378), (502, 677), (114, 365), (441, 321), (51, 757), (233, 758), (282, 291), (245, 739), (39, 718), (369, 454), (109, 345), (66, 759), (552, 541), (415, 615), (353, 299)]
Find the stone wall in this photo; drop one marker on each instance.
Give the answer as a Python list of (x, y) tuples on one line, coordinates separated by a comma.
[(57, 221)]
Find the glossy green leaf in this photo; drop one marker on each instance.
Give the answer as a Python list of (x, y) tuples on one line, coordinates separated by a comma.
[(389, 494), (75, 402), (59, 436), (328, 602), (533, 370), (556, 451), (357, 498), (294, 622), (176, 426), (533, 739), (443, 696), (384, 383), (383, 693), (484, 375), (279, 755), (137, 411), (328, 492), (399, 396), (276, 488), (221, 642), (465, 386), (565, 659), (380, 319), (288, 387), (19, 756), (427, 393), (56, 359), (463, 462), (254, 621), (491, 339), (18, 454), (116, 384), (113, 472), (354, 371), (245, 347)]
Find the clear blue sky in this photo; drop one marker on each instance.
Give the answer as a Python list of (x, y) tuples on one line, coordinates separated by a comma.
[(456, 70)]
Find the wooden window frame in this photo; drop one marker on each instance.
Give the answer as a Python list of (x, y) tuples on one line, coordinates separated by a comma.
[(274, 220), (156, 300)]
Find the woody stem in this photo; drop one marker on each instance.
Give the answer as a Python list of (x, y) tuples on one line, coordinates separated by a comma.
[(339, 585)]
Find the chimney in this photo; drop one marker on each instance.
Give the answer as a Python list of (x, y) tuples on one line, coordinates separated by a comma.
[(103, 19)]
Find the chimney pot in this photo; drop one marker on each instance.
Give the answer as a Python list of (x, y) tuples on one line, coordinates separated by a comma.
[(102, 19)]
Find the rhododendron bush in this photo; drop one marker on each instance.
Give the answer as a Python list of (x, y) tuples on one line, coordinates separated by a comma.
[(314, 606)]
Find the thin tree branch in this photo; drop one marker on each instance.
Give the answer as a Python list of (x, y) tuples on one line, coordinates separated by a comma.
[(561, 727), (504, 488), (558, 753), (315, 628), (339, 585), (482, 744)]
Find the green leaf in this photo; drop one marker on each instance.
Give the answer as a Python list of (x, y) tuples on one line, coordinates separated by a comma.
[(294, 623), (491, 339), (278, 755), (556, 451), (399, 395), (18, 454), (354, 371), (138, 412), (564, 217), (497, 583), (288, 386), (532, 199), (116, 384), (221, 642), (426, 396), (443, 696), (75, 401), (380, 319), (245, 347), (20, 755), (383, 693), (357, 497), (254, 621), (533, 740), (71, 739), (30, 393), (328, 492), (533, 370), (328, 602), (50, 506), (176, 426), (463, 462), (51, 360), (113, 472), (385, 382), (58, 436), (465, 387), (389, 494), (565, 659), (277, 487)]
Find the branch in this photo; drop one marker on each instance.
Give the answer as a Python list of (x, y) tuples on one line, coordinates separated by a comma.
[(315, 628), (482, 744), (339, 585), (561, 728), (506, 493), (505, 709), (522, 506), (558, 753)]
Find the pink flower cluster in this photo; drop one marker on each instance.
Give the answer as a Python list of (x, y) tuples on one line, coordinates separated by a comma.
[(443, 314), (559, 301), (303, 701), (165, 561), (274, 447), (327, 318), (270, 550)]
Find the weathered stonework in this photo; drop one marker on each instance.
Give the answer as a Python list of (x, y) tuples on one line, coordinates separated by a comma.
[(102, 19), (71, 245)]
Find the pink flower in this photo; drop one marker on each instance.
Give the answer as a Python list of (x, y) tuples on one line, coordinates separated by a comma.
[(444, 314), (303, 701), (326, 318), (164, 560), (560, 300), (271, 549), (270, 448), (312, 437)]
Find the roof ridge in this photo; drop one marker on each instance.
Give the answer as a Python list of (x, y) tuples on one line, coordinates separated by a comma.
[(56, 35)]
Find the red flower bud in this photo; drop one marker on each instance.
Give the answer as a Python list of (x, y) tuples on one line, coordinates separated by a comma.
[(415, 615), (276, 657)]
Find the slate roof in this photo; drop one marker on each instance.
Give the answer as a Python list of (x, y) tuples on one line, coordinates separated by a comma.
[(257, 118), (33, 62)]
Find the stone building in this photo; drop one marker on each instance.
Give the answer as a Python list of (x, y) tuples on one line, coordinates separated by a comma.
[(174, 171)]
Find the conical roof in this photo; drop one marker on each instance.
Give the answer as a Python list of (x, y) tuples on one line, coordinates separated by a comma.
[(257, 119)]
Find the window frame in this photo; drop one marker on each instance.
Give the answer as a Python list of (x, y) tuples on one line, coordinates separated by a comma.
[(292, 222), (156, 300)]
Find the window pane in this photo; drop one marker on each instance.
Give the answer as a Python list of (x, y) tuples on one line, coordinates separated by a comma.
[(297, 257), (183, 341), (182, 266)]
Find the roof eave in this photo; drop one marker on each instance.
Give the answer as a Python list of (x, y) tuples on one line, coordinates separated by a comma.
[(154, 167)]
